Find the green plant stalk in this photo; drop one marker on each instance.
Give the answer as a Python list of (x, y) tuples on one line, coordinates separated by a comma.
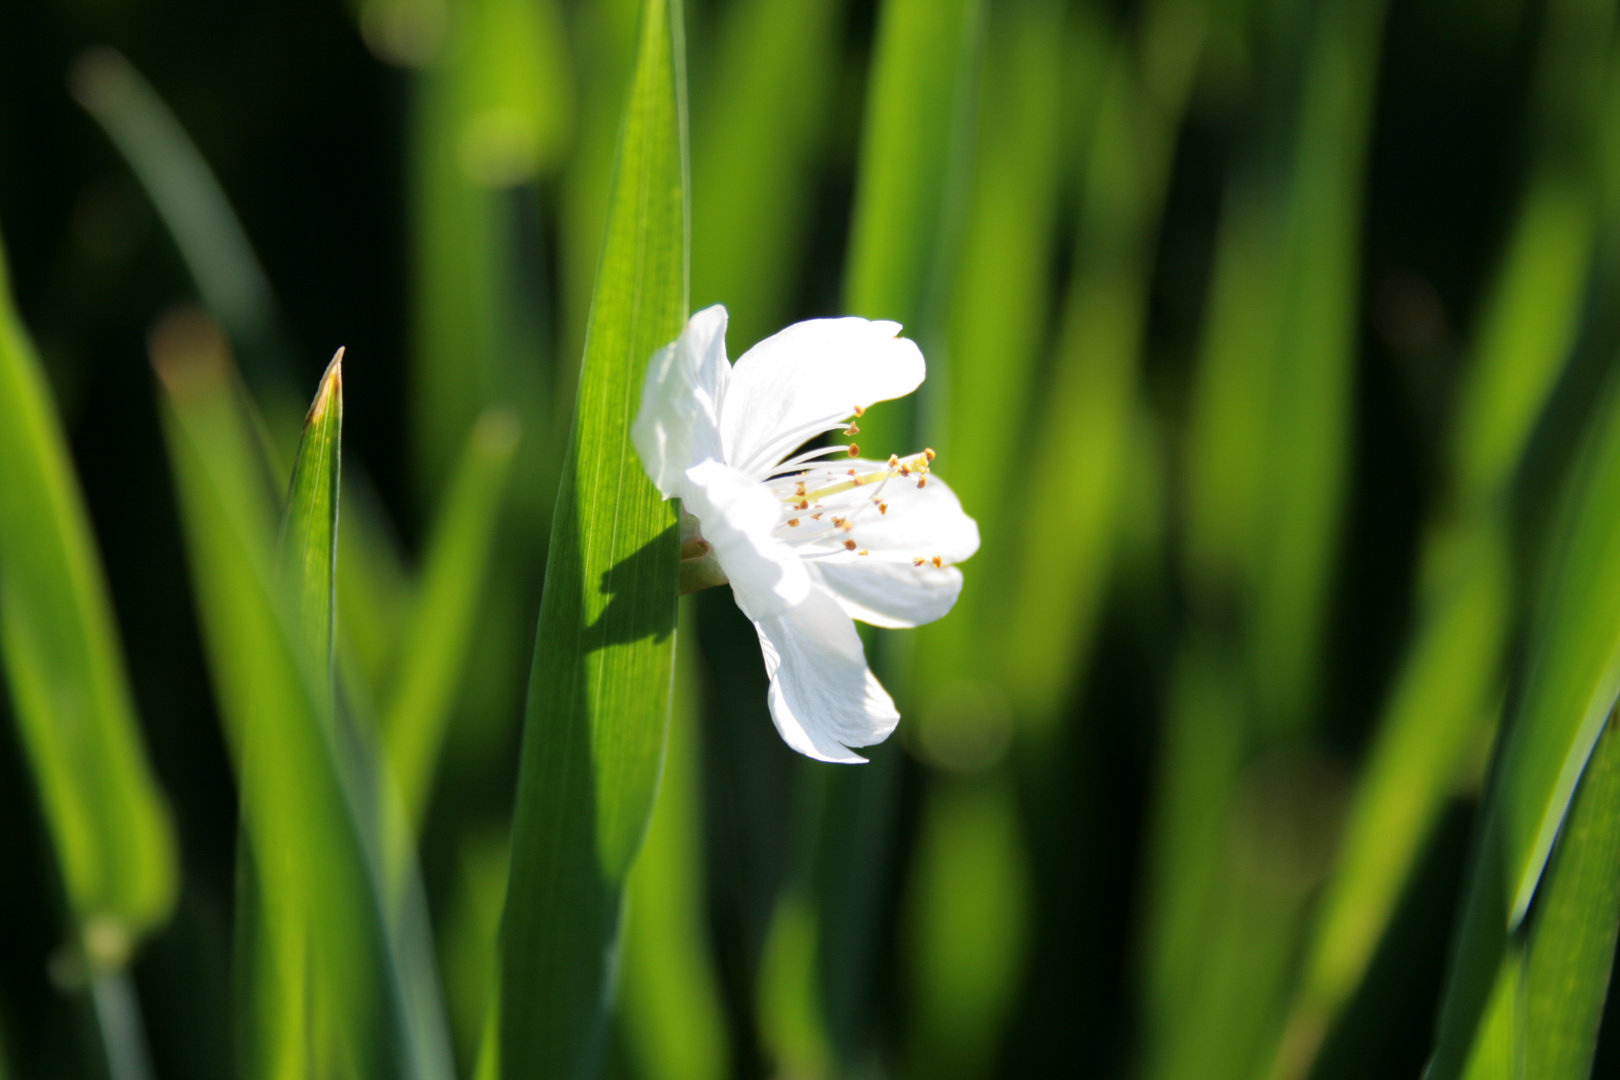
[(599, 693), (107, 818)]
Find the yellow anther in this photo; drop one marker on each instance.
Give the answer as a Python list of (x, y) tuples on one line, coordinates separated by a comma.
[(905, 470), (929, 454), (793, 523), (894, 461), (922, 481), (854, 451), (849, 545), (853, 429), (863, 551), (799, 490), (918, 561), (883, 508), (804, 504), (859, 411), (938, 562), (815, 517)]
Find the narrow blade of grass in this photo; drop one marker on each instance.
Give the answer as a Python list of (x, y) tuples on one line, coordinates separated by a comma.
[(228, 278), (326, 977), (672, 1012), (169, 166), (491, 116), (599, 692), (1442, 702), (70, 693), (1266, 459), (431, 659), (968, 911), (760, 117), (1000, 309), (1573, 671), (1572, 676), (1569, 952), (1085, 416), (913, 171)]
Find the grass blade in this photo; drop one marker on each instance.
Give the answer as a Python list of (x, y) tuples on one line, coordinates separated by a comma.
[(1569, 952), (431, 660), (1572, 677), (190, 200), (70, 693), (761, 115), (1442, 702), (599, 692), (1087, 408), (326, 972), (1000, 308), (914, 152), (491, 116), (671, 1007)]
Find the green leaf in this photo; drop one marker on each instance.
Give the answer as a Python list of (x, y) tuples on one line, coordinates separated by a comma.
[(1540, 1009), (488, 115), (1000, 309), (915, 142), (599, 693), (1572, 676), (967, 914), (1084, 415), (228, 277), (761, 112), (672, 1013), (70, 693), (189, 198), (1569, 953), (1573, 671), (435, 645), (1443, 701), (333, 963)]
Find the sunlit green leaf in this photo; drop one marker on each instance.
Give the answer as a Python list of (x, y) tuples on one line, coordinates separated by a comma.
[(599, 692)]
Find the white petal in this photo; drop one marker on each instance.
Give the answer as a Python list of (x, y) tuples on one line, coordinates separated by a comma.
[(890, 594), (679, 422), (808, 379), (823, 697), (737, 516)]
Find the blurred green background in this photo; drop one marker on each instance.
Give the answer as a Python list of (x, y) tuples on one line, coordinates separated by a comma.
[(1270, 342)]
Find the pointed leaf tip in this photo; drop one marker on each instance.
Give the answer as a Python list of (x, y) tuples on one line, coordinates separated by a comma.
[(331, 382)]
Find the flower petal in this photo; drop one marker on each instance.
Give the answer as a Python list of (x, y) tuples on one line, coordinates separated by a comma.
[(824, 699), (679, 422), (891, 594), (737, 516), (808, 379)]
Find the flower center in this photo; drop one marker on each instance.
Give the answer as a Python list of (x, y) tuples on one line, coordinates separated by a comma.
[(822, 509)]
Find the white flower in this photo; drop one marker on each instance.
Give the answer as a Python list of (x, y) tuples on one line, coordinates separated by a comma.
[(806, 543)]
